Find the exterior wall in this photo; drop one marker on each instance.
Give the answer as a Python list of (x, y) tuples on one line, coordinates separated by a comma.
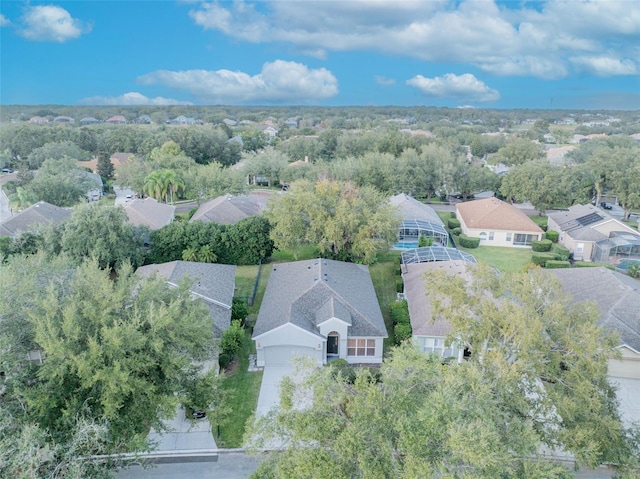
[(500, 237), (339, 327), (375, 359), (573, 245), (608, 227), (627, 367), (288, 335), (421, 341)]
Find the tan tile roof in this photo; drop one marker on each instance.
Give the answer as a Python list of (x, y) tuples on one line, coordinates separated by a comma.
[(494, 214)]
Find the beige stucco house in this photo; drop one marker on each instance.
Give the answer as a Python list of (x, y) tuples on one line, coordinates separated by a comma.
[(593, 235), (497, 223)]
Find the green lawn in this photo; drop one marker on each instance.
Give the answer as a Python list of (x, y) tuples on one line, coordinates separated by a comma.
[(243, 387), (383, 275), (504, 259), (541, 221)]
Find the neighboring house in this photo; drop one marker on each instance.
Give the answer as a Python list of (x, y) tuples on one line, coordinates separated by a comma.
[(497, 223), (213, 283), (428, 333), (417, 219), (40, 213), (117, 120), (593, 235), (148, 212), (291, 122), (117, 160), (182, 120), (229, 209), (270, 131), (89, 120), (38, 120), (63, 119), (229, 122), (320, 308), (618, 299), (144, 120)]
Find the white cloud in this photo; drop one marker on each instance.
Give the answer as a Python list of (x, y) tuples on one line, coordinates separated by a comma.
[(50, 23), (461, 87), (383, 80), (131, 98), (4, 21), (279, 81), (606, 66), (514, 38)]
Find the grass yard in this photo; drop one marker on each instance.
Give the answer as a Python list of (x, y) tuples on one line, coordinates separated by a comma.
[(504, 259), (541, 221), (383, 275), (243, 387)]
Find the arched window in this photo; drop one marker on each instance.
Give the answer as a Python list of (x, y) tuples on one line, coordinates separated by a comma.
[(483, 236)]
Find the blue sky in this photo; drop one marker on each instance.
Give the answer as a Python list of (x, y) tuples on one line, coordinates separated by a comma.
[(571, 54)]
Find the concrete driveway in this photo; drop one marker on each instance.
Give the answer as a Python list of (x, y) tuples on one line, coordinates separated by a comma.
[(270, 388), (123, 195), (185, 435)]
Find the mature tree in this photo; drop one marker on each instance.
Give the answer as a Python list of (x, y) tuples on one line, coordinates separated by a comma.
[(55, 151), (213, 180), (624, 177), (22, 198), (61, 183), (103, 233), (469, 178), (536, 377), (538, 182), (247, 241), (253, 140), (265, 163), (518, 152), (116, 353), (422, 174), (342, 220), (105, 167)]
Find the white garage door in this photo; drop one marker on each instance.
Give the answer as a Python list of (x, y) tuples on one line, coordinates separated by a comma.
[(281, 355)]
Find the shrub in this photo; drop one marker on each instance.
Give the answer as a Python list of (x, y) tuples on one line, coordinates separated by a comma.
[(552, 235), (468, 242), (232, 339), (400, 312), (224, 360), (541, 258), (239, 310), (456, 231), (343, 368), (583, 264), (399, 284), (561, 251), (453, 223), (541, 246), (402, 332), (554, 263), (424, 241), (452, 214)]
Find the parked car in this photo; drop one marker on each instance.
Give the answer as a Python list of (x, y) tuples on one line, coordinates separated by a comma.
[(7, 170), (606, 206)]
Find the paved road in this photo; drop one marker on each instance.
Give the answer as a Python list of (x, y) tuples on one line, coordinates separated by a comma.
[(5, 210)]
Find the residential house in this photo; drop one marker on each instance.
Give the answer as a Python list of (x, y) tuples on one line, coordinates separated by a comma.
[(39, 214), (89, 120), (320, 308), (429, 333), (417, 219), (117, 120), (117, 160), (144, 120), (270, 131), (618, 299), (497, 223), (212, 283), (148, 212), (228, 209), (182, 120), (593, 235), (229, 122), (63, 119), (38, 120)]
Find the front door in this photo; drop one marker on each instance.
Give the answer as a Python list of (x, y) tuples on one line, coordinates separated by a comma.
[(333, 345)]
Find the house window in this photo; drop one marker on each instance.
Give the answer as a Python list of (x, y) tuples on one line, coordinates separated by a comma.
[(580, 248), (438, 347), (508, 237), (483, 236), (361, 347), (524, 240), (490, 235)]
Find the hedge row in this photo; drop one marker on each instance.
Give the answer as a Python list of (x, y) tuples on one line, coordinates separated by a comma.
[(468, 242), (453, 223), (456, 231), (552, 235), (541, 246), (401, 320), (541, 258), (554, 263), (561, 251)]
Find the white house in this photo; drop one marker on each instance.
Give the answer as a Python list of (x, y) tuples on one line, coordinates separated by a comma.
[(320, 308)]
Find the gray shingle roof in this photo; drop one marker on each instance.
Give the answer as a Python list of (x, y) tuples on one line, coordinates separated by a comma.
[(418, 300), (149, 212), (229, 209), (40, 213), (617, 296), (306, 293), (214, 283), (568, 222)]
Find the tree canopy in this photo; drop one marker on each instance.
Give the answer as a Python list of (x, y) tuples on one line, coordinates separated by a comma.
[(536, 378), (110, 358), (342, 220)]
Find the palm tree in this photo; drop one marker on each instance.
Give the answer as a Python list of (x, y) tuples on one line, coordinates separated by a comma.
[(206, 254), (190, 254), (154, 185), (172, 182)]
